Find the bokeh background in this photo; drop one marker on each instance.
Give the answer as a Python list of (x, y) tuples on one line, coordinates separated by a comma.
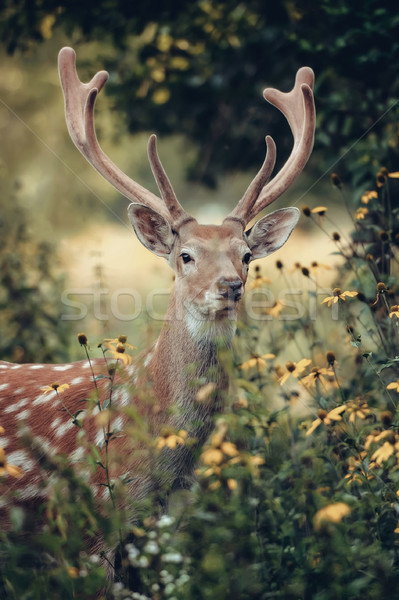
[(194, 74)]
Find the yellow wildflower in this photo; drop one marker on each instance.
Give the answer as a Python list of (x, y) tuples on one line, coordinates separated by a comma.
[(337, 295), (367, 196), (356, 471), (112, 343), (327, 417), (206, 392), (319, 210), (274, 310), (315, 266), (55, 387), (257, 361), (394, 175), (377, 436), (383, 453), (317, 374), (361, 213), (357, 408), (294, 369), (394, 312), (259, 281), (333, 513), (172, 440), (119, 353), (394, 385), (6, 468)]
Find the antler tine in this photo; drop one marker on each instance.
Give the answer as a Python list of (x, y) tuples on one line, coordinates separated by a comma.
[(299, 110), (79, 112), (177, 212), (243, 207)]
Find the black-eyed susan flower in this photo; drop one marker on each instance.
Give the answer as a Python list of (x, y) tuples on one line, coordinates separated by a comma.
[(394, 385), (317, 374), (384, 453), (361, 213), (337, 295), (59, 388), (257, 361), (316, 266), (367, 196), (327, 417), (357, 473), (113, 343), (294, 369), (319, 210), (394, 311), (357, 408), (172, 440), (335, 180), (82, 339), (333, 513), (259, 280), (119, 353), (274, 310), (6, 468)]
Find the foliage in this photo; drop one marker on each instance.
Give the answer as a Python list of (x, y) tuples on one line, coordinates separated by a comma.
[(199, 68), (297, 488), (31, 328)]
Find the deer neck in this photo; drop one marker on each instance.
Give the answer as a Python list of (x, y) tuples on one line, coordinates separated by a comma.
[(185, 358)]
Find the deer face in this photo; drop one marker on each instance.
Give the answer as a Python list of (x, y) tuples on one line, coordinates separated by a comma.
[(211, 262)]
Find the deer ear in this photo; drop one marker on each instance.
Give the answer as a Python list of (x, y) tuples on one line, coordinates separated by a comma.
[(153, 231), (271, 232)]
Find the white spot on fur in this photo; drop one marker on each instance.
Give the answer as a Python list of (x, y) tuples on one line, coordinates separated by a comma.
[(148, 359), (86, 365), (32, 491), (117, 424), (62, 429), (122, 397), (77, 454), (4, 442), (22, 416), (62, 367), (4, 386), (16, 405), (99, 437), (77, 380), (16, 366), (4, 366), (56, 422), (18, 391), (44, 398), (36, 367), (20, 458)]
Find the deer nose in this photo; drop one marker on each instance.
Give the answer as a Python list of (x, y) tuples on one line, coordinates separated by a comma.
[(230, 288)]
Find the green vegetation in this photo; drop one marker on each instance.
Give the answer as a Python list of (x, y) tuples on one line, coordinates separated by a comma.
[(297, 488)]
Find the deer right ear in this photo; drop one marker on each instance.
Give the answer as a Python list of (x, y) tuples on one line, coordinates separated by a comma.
[(153, 231)]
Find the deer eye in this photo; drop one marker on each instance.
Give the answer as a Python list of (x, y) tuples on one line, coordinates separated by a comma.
[(186, 258), (247, 258)]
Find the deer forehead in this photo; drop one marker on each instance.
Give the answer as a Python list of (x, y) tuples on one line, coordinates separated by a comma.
[(214, 239)]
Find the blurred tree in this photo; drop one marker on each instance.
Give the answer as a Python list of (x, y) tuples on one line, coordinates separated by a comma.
[(30, 320), (198, 68)]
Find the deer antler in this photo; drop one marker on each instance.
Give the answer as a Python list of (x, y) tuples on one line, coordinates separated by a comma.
[(79, 111), (299, 110)]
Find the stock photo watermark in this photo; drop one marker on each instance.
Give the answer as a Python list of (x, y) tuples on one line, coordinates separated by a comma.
[(128, 304)]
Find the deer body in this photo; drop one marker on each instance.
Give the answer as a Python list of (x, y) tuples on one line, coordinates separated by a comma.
[(211, 266)]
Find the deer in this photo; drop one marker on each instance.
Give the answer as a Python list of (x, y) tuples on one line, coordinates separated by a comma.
[(210, 263)]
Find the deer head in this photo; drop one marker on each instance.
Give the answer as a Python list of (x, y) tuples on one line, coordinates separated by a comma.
[(210, 261)]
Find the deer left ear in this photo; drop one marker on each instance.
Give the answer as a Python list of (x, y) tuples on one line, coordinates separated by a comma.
[(271, 232)]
